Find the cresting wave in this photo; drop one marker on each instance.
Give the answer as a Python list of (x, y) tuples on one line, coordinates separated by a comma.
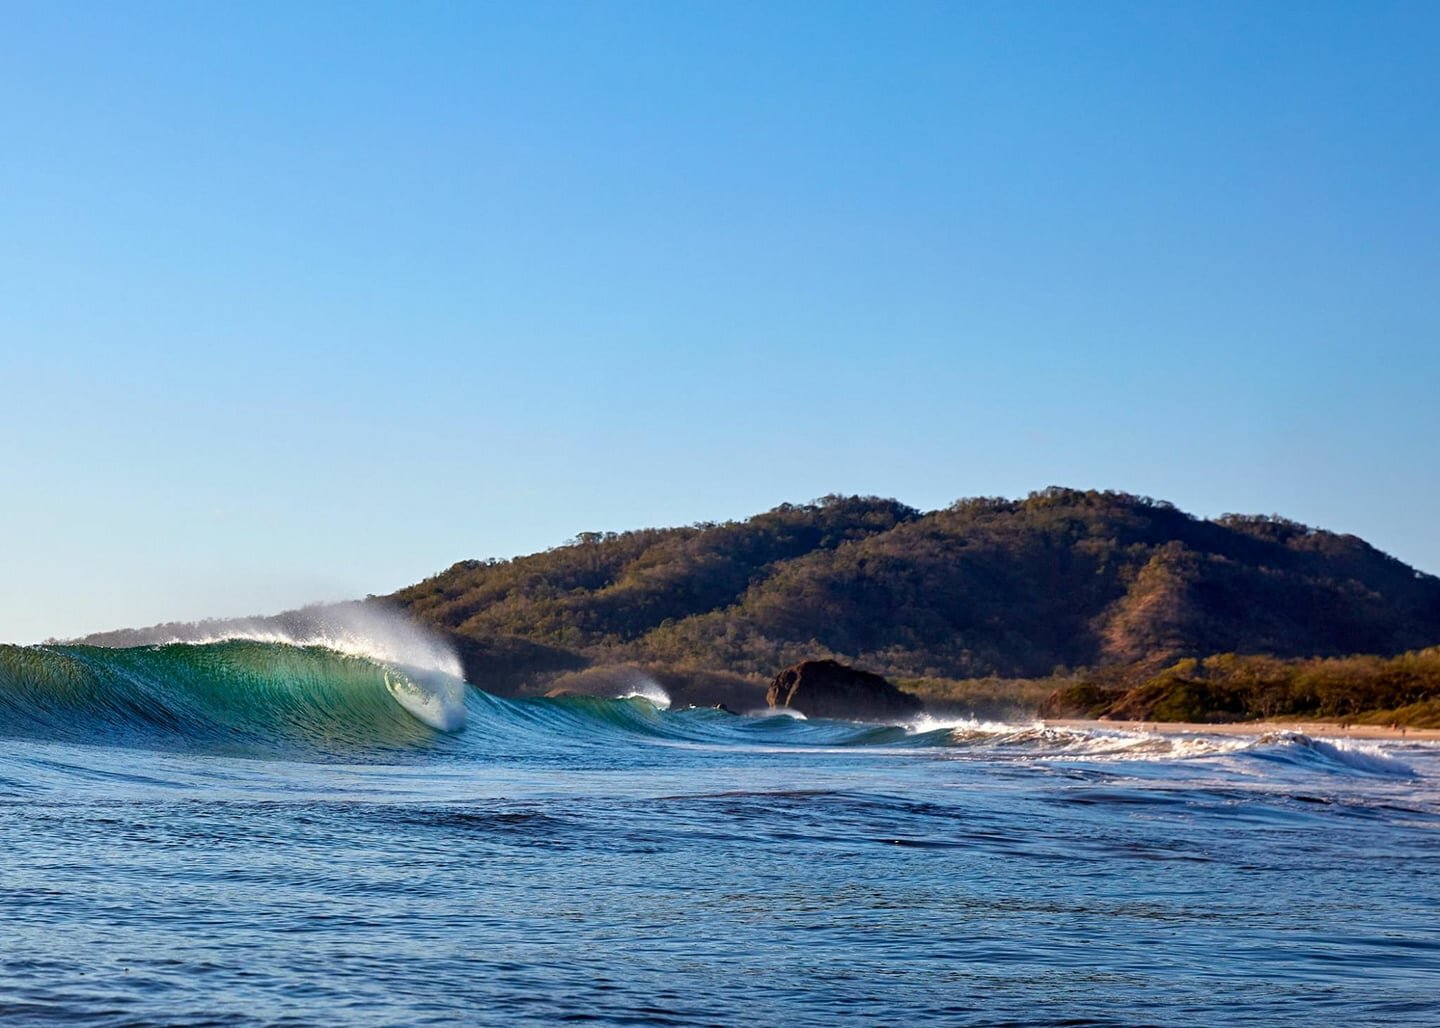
[(239, 693)]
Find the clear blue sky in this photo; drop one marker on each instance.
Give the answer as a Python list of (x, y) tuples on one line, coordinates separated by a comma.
[(305, 301)]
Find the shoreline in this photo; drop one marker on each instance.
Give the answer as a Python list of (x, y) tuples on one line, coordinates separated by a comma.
[(1320, 729)]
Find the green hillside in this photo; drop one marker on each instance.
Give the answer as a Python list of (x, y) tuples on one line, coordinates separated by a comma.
[(1061, 580)]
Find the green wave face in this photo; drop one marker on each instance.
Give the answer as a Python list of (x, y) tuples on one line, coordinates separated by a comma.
[(230, 694)]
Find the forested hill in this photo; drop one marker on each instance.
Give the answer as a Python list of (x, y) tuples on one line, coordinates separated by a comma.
[(1014, 588)]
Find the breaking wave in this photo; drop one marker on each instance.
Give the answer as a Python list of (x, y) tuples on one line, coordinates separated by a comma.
[(238, 693), (1343, 755)]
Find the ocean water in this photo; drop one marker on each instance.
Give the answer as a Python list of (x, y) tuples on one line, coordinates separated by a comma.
[(258, 833)]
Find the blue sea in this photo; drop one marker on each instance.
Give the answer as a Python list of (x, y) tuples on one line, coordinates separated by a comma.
[(260, 833)]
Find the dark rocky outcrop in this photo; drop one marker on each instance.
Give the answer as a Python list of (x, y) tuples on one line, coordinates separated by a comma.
[(827, 688)]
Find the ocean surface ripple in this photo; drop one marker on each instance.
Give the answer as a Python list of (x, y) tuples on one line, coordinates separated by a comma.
[(247, 832)]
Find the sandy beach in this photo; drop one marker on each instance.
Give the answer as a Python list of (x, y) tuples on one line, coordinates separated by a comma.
[(1320, 729)]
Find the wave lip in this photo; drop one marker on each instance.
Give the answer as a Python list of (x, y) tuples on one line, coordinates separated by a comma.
[(359, 628)]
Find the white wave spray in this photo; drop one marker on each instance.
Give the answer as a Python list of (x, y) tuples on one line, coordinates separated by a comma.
[(425, 676), (642, 686)]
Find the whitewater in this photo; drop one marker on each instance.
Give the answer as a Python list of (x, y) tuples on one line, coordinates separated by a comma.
[(260, 831)]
